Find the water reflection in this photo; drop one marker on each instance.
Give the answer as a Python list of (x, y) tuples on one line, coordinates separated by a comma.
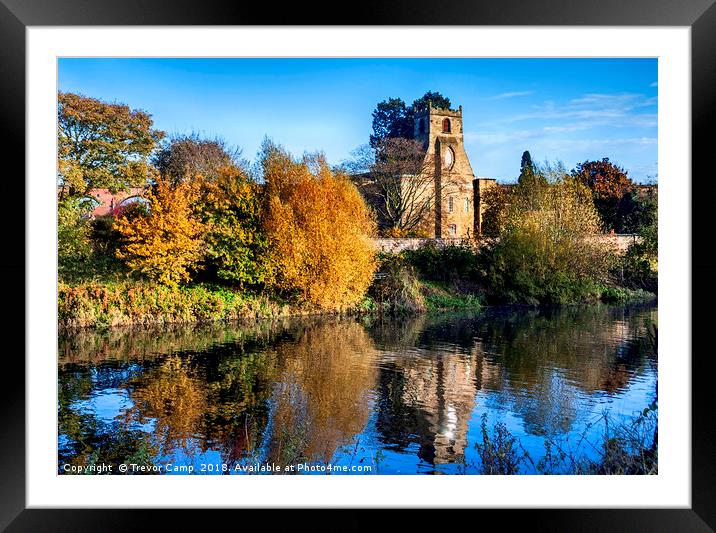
[(404, 395)]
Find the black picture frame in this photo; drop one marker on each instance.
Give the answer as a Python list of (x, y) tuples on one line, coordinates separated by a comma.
[(699, 15)]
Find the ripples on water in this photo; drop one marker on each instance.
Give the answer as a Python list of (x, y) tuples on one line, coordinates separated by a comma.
[(403, 396)]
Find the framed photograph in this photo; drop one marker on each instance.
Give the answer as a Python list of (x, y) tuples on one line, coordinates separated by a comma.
[(435, 258)]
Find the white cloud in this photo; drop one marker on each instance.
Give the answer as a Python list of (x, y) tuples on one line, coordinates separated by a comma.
[(596, 143), (512, 94), (499, 137), (593, 109), (621, 126)]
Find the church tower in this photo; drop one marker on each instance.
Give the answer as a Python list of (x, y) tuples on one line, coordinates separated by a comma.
[(455, 184)]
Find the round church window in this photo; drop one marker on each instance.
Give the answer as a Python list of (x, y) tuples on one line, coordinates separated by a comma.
[(448, 158)]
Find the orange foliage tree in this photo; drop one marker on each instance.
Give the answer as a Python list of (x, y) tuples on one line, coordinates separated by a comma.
[(609, 184), (166, 241), (319, 229)]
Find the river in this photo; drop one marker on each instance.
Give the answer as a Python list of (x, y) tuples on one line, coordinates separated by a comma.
[(357, 396)]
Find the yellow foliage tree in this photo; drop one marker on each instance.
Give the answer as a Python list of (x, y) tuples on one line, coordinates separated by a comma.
[(319, 229), (547, 250), (166, 242)]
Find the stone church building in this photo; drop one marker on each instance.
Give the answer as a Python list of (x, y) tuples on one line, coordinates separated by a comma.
[(457, 210), (446, 190)]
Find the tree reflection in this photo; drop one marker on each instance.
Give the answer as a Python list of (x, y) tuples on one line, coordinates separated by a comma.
[(306, 389), (171, 398), (322, 398)]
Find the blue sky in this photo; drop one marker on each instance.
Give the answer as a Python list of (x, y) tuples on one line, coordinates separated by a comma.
[(558, 109)]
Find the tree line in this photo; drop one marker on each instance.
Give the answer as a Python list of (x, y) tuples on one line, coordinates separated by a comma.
[(289, 225), (300, 229)]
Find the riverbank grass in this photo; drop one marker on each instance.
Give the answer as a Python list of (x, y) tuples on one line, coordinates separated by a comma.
[(111, 304), (443, 297)]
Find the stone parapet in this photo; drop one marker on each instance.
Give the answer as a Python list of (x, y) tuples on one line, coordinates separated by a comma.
[(395, 245)]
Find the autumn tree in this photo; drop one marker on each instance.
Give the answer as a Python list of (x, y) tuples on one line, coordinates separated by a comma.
[(166, 243), (236, 245), (400, 186), (495, 199), (547, 251), (185, 156), (102, 144), (319, 231), (609, 184)]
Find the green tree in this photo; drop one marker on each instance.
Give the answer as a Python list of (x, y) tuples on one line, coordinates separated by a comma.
[(635, 213), (102, 145), (434, 98), (391, 119), (527, 168), (74, 248), (640, 264), (236, 245), (530, 173)]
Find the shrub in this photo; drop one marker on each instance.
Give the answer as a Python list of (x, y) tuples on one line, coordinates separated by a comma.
[(319, 229), (546, 252), (397, 288), (444, 264), (498, 453)]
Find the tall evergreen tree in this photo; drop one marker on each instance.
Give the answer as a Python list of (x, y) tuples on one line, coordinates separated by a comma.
[(435, 98), (391, 119), (527, 168)]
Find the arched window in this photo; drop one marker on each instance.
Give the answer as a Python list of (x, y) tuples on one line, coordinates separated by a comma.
[(446, 125), (87, 206), (467, 205), (421, 126), (450, 204), (132, 202), (452, 228), (88, 203)]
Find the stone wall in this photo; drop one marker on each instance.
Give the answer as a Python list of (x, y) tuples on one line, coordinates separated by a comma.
[(620, 243), (395, 246)]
